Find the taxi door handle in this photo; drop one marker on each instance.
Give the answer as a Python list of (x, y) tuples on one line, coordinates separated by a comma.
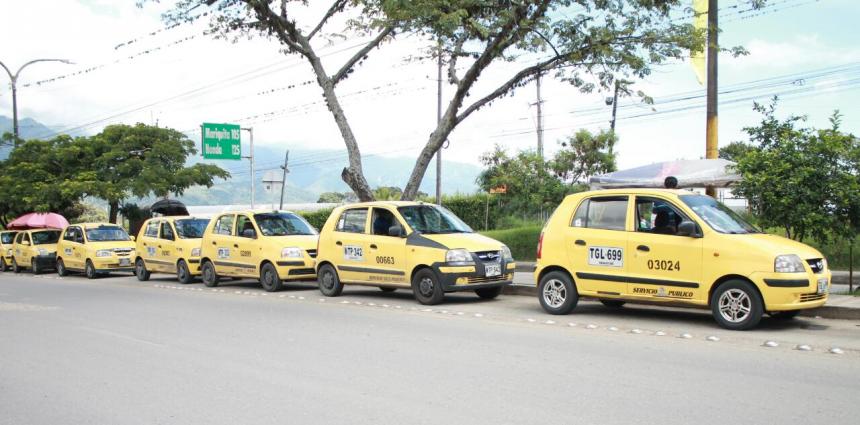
[(159, 246), (235, 245), (373, 246), (338, 243), (580, 242), (643, 248), (213, 243)]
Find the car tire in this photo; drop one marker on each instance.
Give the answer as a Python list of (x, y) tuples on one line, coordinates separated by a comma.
[(62, 271), (387, 289), (210, 277), (613, 303), (784, 315), (329, 282), (90, 270), (736, 305), (557, 293), (183, 274), (15, 267), (269, 278), (3, 266), (426, 287), (140, 270), (489, 293), (35, 267)]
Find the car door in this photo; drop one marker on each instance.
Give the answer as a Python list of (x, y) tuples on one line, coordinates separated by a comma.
[(221, 239), (167, 246), (351, 240), (21, 248), (596, 242), (67, 248), (661, 262), (387, 254), (149, 242), (244, 242)]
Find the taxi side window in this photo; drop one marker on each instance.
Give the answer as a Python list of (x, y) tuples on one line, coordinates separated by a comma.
[(26, 237), (167, 232), (19, 238), (79, 235), (382, 220), (151, 230), (224, 225), (352, 221), (245, 228), (69, 234), (608, 213), (657, 216)]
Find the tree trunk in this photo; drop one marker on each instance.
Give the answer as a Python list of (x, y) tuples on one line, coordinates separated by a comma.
[(437, 139), (113, 211)]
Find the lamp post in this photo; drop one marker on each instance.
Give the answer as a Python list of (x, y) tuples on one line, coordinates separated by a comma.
[(14, 82)]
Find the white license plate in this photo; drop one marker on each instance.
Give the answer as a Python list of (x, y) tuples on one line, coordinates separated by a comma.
[(124, 261), (606, 256), (822, 286), (491, 270)]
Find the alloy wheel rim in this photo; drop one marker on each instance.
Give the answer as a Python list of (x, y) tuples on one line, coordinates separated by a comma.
[(735, 305), (554, 293), (207, 273), (140, 268), (181, 272), (426, 286), (328, 280)]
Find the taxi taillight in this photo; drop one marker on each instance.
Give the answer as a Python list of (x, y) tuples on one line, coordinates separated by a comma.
[(540, 245)]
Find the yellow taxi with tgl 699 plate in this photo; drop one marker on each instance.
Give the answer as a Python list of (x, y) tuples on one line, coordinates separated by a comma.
[(95, 249), (170, 245), (662, 245), (409, 245), (273, 247)]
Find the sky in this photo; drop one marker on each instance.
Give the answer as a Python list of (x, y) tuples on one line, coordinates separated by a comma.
[(805, 50)]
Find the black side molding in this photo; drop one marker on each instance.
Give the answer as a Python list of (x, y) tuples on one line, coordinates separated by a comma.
[(639, 280), (786, 283)]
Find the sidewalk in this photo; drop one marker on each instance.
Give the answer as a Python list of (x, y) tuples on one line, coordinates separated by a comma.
[(837, 306)]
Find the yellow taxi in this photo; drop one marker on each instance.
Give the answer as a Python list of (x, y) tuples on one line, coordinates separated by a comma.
[(662, 245), (270, 246), (7, 238), (409, 245), (35, 249), (170, 245), (95, 249)]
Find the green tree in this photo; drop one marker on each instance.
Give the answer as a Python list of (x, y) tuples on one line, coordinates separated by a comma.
[(143, 160), (584, 155), (735, 151), (530, 186), (332, 197), (589, 44)]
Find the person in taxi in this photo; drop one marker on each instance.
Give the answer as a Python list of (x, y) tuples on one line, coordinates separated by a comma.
[(409, 245), (170, 245), (7, 238), (658, 245), (273, 247), (35, 249), (95, 249)]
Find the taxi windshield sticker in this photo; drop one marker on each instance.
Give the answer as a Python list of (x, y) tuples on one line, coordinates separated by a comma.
[(606, 256), (353, 253)]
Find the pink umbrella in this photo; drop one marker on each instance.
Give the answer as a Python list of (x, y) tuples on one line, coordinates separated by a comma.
[(38, 221)]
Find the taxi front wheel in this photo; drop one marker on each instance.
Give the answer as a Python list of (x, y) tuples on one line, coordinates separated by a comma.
[(183, 275), (426, 287), (210, 278), (90, 270), (34, 267), (330, 284), (736, 305), (15, 267), (269, 278), (61, 268), (140, 270), (557, 293)]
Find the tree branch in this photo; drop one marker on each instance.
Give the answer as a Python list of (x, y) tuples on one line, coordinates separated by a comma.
[(287, 31), (452, 64), (360, 54), (335, 7)]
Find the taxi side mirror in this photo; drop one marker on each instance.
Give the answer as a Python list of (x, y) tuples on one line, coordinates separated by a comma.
[(133, 238), (396, 230), (688, 228)]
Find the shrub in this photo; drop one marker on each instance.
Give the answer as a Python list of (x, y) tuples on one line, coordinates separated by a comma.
[(316, 218), (522, 241)]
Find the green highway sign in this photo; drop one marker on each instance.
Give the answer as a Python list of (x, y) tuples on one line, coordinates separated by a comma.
[(221, 141)]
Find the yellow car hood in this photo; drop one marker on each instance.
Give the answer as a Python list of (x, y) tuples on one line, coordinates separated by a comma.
[(778, 245), (469, 241), (299, 241), (111, 244)]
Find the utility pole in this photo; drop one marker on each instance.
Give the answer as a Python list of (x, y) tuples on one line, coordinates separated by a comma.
[(250, 156), (284, 180), (14, 83), (438, 120), (711, 142), (539, 119), (614, 111)]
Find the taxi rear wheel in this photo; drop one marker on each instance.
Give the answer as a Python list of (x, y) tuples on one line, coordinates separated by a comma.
[(90, 270), (736, 305), (426, 287), (557, 293), (183, 274), (329, 283), (489, 293), (15, 268), (61, 268), (269, 278), (210, 278), (3, 266), (140, 270)]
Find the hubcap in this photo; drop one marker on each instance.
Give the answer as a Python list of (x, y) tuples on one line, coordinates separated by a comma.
[(328, 280), (140, 268), (426, 286), (207, 273), (554, 293), (181, 271), (735, 305)]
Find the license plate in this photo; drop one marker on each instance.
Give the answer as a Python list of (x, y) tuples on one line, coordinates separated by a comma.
[(124, 261), (491, 270), (822, 286), (606, 256)]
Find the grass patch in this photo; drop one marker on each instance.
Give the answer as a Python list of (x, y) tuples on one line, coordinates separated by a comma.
[(522, 241)]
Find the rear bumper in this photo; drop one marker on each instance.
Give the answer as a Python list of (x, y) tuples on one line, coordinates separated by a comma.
[(791, 291)]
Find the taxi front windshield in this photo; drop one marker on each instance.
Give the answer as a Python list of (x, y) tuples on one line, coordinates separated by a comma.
[(47, 237), (283, 224), (107, 234), (191, 228), (720, 217), (431, 219), (7, 238)]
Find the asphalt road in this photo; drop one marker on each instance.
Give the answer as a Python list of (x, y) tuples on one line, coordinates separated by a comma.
[(117, 351)]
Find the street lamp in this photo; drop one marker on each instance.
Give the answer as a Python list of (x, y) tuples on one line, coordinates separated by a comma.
[(14, 79)]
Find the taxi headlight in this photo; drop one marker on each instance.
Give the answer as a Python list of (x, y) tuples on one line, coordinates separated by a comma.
[(104, 253), (506, 254), (460, 256), (790, 263), (291, 252), (195, 252)]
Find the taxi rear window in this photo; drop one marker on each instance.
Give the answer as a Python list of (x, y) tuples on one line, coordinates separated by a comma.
[(608, 213)]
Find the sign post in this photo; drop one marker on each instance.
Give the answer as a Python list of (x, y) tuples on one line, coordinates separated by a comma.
[(224, 141)]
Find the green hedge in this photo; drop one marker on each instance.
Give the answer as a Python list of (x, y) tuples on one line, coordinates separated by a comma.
[(473, 210), (316, 218), (522, 241)]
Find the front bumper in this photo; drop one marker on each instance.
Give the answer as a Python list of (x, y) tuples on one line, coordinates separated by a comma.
[(792, 291), (468, 278), (194, 266), (296, 269), (114, 264), (48, 261)]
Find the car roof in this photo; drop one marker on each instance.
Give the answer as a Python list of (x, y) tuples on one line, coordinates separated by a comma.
[(252, 212), (385, 204), (94, 225), (172, 218), (635, 191)]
